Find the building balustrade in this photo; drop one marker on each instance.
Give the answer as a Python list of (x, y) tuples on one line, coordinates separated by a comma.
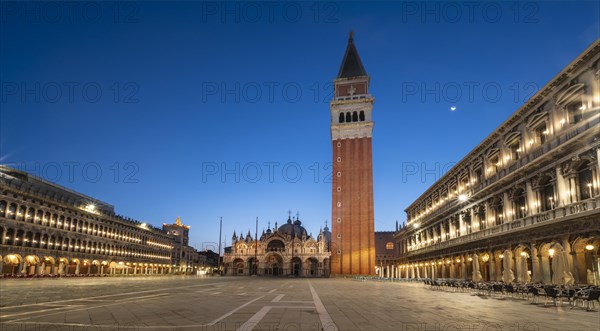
[(557, 215), (539, 151), (112, 237)]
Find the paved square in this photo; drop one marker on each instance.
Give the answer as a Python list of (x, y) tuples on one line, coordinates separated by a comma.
[(258, 303)]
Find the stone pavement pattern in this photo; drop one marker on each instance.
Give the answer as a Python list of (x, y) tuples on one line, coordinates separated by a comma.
[(254, 303)]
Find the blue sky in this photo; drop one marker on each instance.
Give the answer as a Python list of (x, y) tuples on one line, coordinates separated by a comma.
[(209, 110)]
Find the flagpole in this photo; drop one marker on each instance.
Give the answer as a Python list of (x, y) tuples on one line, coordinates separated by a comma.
[(220, 232), (256, 248)]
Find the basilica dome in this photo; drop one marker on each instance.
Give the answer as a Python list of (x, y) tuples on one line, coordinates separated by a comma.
[(294, 229)]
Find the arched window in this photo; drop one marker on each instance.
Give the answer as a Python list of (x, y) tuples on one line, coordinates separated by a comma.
[(10, 236), (276, 246), (467, 220), (575, 112), (2, 208), (389, 246), (30, 215), (493, 162), (519, 199), (21, 213), (12, 211), (348, 117), (355, 117), (586, 182), (498, 207), (546, 190), (361, 116), (341, 118), (541, 133)]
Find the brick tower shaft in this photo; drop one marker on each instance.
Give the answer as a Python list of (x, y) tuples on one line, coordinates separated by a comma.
[(353, 229)]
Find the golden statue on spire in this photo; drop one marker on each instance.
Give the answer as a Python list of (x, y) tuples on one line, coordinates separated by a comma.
[(178, 221)]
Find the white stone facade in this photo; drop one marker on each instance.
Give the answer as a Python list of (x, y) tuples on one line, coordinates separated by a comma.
[(527, 193)]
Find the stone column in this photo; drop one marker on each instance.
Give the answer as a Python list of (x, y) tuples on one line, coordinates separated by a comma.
[(42, 268), (492, 267), (506, 206), (562, 199), (461, 224), (536, 265), (531, 199), (442, 231), (578, 268), (519, 272), (486, 214), (464, 267), (77, 269), (598, 161), (571, 266)]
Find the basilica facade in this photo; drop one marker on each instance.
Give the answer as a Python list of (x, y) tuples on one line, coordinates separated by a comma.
[(287, 250), (524, 205)]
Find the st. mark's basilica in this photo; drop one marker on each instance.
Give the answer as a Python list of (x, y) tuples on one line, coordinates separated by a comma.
[(286, 250)]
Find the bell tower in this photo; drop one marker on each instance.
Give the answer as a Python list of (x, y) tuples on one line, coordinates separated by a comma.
[(353, 229)]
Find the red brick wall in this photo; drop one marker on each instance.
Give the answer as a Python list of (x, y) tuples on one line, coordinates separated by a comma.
[(357, 242)]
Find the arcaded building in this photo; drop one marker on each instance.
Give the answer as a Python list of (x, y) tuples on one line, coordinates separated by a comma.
[(386, 254), (524, 204), (46, 229), (184, 257), (287, 250)]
